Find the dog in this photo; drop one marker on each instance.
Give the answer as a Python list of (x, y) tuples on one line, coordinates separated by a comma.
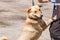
[(34, 25)]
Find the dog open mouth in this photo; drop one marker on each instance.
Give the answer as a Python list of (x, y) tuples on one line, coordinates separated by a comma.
[(36, 17)]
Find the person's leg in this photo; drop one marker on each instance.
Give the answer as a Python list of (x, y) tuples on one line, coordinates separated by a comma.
[(54, 13)]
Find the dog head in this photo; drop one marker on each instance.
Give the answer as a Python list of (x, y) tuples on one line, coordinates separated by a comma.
[(34, 12)]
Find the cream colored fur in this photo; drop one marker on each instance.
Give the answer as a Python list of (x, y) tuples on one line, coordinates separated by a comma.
[(34, 25)]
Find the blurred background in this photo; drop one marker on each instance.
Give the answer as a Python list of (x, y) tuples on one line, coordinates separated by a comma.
[(13, 16)]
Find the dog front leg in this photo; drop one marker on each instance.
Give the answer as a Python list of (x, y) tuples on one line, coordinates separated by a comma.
[(50, 20)]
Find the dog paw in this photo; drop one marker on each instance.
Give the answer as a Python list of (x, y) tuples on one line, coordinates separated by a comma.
[(55, 17)]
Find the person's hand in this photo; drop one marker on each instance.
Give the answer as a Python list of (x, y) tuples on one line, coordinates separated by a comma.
[(43, 1)]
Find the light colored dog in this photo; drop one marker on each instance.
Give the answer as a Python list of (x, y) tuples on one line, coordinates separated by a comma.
[(34, 25)]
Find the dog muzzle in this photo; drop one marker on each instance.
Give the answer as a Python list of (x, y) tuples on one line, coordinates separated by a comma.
[(37, 17)]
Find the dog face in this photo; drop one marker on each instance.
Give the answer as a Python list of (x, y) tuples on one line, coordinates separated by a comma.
[(34, 12)]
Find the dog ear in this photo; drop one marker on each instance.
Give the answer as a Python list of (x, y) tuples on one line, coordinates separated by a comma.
[(28, 10)]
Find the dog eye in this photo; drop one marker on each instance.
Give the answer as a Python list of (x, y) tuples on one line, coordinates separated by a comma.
[(35, 11)]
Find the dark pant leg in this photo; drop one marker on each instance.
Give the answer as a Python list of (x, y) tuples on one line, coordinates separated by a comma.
[(55, 12)]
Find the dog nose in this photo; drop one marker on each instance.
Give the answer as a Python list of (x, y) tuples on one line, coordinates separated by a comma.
[(35, 15), (41, 16)]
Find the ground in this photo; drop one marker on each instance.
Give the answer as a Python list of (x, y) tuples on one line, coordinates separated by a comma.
[(12, 21)]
